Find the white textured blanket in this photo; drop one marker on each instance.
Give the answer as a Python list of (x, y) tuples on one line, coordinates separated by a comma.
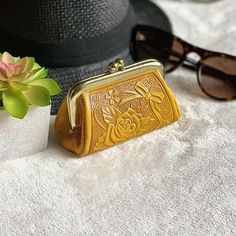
[(180, 180)]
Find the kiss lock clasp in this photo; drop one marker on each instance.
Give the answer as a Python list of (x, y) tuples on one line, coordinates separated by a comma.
[(115, 66)]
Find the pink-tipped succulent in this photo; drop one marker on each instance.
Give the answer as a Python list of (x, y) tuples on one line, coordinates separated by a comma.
[(22, 83)]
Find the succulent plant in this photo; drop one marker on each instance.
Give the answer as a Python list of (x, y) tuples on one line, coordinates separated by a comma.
[(23, 83)]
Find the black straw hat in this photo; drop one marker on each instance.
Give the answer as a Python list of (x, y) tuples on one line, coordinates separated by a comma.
[(74, 38)]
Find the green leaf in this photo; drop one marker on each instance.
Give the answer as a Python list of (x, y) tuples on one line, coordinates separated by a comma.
[(25, 65), (15, 103), (2, 78), (28, 64), (36, 66), (3, 86), (16, 59), (37, 95), (18, 86), (50, 84), (37, 74), (20, 77), (7, 58)]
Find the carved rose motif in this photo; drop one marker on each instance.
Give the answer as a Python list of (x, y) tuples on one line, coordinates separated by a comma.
[(122, 126), (127, 124)]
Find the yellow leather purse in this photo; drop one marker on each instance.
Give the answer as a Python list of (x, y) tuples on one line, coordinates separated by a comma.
[(121, 104)]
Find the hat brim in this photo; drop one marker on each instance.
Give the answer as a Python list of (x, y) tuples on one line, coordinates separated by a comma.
[(148, 13)]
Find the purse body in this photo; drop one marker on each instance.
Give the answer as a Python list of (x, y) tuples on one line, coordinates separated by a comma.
[(105, 110)]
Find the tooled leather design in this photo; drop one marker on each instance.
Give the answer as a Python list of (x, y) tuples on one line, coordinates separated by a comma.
[(128, 109)]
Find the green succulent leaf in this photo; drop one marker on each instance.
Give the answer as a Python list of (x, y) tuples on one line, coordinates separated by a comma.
[(2, 78), (18, 86), (24, 82), (7, 58), (37, 74), (25, 64), (36, 66), (16, 59), (15, 103), (3, 86), (50, 84), (37, 95), (20, 77), (29, 63)]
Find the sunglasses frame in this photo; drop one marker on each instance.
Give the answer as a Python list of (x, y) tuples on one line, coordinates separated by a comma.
[(188, 48)]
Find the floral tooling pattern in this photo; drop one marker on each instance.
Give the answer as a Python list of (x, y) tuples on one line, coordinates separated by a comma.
[(122, 126), (125, 111)]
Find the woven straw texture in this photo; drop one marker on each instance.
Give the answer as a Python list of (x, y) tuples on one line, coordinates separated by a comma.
[(61, 20)]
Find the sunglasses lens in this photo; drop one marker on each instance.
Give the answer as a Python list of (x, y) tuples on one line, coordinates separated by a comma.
[(159, 45), (218, 77)]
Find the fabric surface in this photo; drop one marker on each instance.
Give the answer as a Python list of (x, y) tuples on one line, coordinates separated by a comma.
[(180, 180)]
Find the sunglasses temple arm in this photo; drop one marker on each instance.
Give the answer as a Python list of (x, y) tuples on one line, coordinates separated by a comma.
[(190, 63), (187, 62)]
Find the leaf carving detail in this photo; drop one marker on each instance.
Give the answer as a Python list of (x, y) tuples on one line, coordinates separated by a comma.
[(110, 114), (145, 124), (100, 143)]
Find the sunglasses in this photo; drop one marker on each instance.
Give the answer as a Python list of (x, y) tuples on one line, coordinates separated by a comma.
[(216, 72)]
